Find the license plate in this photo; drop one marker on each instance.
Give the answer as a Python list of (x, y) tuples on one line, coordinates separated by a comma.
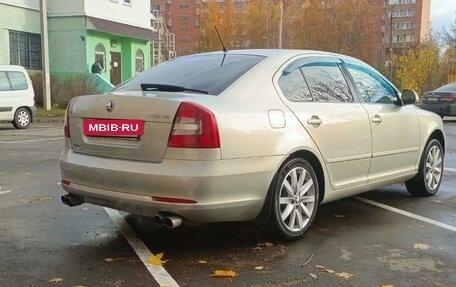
[(113, 128), (432, 99)]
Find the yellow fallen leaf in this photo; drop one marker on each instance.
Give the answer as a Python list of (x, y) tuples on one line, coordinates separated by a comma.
[(385, 285), (43, 199), (344, 275), (338, 215), (257, 248), (224, 273), (325, 269), (56, 280), (202, 261), (109, 259), (259, 268), (314, 276), (421, 246), (79, 286), (156, 259), (265, 244)]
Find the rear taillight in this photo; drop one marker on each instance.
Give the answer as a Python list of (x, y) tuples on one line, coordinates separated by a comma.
[(448, 98), (194, 126), (66, 124)]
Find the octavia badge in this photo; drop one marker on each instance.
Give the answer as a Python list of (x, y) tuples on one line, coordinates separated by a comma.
[(109, 106)]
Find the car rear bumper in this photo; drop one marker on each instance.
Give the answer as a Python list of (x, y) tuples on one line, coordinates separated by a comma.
[(440, 109), (224, 190)]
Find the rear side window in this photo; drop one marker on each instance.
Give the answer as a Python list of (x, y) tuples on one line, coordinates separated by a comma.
[(201, 72), (294, 86), (17, 80), (447, 88), (326, 82), (13, 81)]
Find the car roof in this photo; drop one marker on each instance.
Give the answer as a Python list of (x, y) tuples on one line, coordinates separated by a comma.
[(12, 68), (271, 52)]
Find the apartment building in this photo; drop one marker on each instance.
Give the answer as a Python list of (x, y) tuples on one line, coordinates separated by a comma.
[(182, 20), (402, 24)]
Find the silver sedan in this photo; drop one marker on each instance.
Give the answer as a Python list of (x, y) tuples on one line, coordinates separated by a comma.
[(248, 135)]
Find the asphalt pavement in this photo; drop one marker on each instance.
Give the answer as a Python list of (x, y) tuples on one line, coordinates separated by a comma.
[(382, 237)]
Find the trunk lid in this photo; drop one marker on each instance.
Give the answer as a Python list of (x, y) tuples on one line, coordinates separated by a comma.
[(156, 113)]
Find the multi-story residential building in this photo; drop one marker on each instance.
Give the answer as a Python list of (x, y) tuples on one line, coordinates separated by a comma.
[(181, 18), (403, 23), (115, 32)]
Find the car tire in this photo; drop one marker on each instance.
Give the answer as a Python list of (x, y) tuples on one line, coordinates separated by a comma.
[(430, 172), (293, 211), (22, 118)]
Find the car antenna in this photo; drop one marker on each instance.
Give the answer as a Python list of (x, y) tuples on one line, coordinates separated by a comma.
[(225, 50)]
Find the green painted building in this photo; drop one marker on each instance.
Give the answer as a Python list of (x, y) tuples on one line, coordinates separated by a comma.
[(117, 33)]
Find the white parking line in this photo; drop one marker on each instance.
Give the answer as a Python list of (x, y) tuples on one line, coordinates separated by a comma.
[(406, 213), (158, 272), (5, 192), (31, 141), (450, 169)]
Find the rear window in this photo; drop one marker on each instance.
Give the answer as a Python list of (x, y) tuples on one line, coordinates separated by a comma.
[(201, 72), (447, 88)]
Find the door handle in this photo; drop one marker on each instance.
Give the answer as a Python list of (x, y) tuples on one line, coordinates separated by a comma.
[(315, 121), (377, 119)]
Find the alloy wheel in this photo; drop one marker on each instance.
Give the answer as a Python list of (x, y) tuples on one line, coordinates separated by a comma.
[(433, 168), (297, 199)]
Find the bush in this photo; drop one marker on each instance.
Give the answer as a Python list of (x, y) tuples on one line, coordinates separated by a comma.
[(62, 91)]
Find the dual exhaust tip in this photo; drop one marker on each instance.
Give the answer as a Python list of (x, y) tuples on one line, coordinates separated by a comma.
[(168, 220)]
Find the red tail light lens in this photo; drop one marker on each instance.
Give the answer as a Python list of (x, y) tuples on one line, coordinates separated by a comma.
[(66, 124), (194, 126), (448, 98)]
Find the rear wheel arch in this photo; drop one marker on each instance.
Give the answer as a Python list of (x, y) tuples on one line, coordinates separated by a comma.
[(438, 135), (265, 213)]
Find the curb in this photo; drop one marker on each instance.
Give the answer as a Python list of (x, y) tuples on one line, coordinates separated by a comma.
[(59, 120)]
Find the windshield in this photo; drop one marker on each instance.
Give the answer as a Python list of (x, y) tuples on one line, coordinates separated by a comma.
[(203, 72)]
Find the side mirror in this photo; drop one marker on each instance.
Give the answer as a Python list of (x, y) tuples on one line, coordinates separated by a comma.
[(409, 97)]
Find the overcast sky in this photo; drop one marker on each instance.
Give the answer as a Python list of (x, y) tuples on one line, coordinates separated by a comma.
[(443, 12)]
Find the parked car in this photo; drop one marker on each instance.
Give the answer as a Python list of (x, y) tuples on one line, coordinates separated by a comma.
[(248, 135), (17, 99), (441, 101)]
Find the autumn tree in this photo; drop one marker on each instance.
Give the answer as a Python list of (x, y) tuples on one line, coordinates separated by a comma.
[(420, 68)]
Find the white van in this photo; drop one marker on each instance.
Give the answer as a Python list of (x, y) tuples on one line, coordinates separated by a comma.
[(17, 99)]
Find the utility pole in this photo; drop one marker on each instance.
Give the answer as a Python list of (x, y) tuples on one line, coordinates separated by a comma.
[(280, 24), (391, 41), (45, 56)]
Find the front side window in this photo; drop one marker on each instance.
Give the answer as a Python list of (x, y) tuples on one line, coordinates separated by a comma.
[(326, 82), (139, 61), (371, 86)]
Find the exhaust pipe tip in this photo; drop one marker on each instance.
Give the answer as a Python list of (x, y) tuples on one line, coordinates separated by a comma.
[(71, 200), (172, 221)]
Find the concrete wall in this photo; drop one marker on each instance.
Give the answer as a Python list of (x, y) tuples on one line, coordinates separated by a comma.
[(136, 14), (28, 4), (19, 19), (67, 45)]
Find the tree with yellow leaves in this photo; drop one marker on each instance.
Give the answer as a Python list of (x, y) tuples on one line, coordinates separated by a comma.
[(420, 68)]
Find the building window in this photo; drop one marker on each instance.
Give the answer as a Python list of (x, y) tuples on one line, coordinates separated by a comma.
[(183, 28), (183, 40), (183, 17), (139, 61), (183, 6), (100, 55), (25, 49), (127, 2)]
